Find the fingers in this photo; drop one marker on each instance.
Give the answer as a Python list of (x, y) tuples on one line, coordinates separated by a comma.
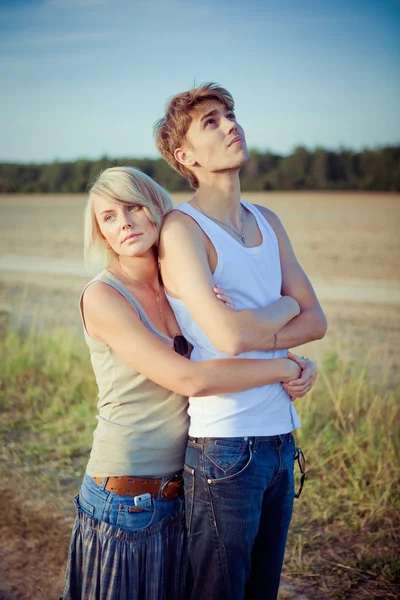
[(296, 383), (223, 296), (296, 386), (301, 386), (308, 366), (298, 389), (308, 374), (298, 393), (294, 357), (300, 360), (306, 378)]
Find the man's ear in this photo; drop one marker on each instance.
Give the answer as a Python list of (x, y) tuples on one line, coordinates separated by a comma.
[(184, 157)]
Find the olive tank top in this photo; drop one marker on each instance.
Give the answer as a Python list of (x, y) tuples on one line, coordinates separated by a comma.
[(142, 427)]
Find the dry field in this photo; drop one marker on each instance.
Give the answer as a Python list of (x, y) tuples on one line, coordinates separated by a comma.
[(346, 242), (334, 234)]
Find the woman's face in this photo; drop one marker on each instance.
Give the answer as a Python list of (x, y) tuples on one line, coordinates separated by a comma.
[(126, 227)]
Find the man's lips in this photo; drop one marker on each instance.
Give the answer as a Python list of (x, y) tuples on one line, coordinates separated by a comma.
[(236, 140), (131, 236)]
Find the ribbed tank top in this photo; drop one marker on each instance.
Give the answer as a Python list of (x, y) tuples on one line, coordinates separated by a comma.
[(253, 278), (142, 427)]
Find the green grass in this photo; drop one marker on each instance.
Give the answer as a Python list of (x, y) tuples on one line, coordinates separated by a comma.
[(345, 531), (346, 525), (48, 402)]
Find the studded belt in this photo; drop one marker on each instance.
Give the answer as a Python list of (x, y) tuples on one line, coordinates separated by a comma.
[(134, 486)]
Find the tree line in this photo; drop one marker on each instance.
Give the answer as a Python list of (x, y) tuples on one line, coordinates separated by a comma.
[(319, 169)]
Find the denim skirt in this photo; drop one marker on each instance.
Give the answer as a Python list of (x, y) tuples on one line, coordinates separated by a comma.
[(117, 553)]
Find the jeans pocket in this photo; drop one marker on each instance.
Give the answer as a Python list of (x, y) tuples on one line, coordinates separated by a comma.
[(85, 506), (129, 517), (188, 478), (225, 453), (226, 459)]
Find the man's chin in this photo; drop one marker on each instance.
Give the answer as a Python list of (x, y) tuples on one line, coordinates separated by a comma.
[(241, 161), (235, 165), (245, 159)]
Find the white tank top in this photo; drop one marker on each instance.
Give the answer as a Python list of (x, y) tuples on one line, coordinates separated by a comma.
[(253, 278)]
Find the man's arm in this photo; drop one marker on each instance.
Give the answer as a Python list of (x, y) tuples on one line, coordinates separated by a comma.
[(187, 275), (311, 323)]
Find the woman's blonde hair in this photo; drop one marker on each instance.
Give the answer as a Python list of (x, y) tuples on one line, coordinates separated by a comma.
[(127, 186)]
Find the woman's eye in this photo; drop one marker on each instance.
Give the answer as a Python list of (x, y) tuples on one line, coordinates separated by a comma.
[(133, 208), (109, 218)]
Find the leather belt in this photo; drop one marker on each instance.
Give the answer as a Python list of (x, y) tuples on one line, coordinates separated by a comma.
[(135, 486)]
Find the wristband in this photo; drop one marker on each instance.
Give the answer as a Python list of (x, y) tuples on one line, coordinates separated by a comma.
[(275, 346)]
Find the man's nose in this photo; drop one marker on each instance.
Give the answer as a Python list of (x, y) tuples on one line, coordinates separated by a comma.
[(230, 125)]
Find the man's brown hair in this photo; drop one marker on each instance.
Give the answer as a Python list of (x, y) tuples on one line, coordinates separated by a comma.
[(170, 130)]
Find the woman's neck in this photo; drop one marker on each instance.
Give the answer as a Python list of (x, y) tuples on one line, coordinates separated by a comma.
[(141, 269)]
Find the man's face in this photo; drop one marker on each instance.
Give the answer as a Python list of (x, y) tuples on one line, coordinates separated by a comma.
[(215, 139)]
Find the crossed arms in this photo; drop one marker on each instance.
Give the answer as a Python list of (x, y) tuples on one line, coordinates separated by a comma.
[(297, 317)]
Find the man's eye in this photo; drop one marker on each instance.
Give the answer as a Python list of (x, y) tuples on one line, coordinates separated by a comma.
[(231, 116), (208, 122)]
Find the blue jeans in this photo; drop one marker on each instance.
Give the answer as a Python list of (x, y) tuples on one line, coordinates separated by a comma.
[(120, 511), (120, 552), (239, 499)]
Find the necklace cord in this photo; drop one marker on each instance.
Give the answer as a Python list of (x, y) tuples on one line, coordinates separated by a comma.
[(239, 235), (155, 292)]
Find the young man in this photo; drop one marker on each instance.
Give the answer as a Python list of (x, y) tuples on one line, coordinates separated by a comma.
[(239, 461)]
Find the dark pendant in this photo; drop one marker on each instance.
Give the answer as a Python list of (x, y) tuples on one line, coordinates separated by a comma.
[(243, 239)]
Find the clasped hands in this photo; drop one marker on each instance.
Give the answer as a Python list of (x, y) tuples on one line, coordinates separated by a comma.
[(297, 388)]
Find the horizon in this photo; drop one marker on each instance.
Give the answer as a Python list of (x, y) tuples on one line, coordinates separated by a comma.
[(159, 157)]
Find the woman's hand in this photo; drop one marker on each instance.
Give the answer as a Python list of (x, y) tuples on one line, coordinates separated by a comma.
[(299, 387), (292, 370), (223, 297)]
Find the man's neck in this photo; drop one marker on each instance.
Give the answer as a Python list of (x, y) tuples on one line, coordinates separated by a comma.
[(219, 197)]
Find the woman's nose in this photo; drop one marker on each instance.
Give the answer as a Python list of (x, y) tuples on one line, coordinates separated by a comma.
[(126, 225)]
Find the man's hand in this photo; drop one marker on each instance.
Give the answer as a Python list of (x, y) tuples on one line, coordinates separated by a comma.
[(309, 371)]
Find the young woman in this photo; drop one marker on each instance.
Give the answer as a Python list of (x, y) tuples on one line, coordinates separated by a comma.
[(128, 540)]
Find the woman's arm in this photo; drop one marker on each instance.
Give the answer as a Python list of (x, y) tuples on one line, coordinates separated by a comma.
[(110, 318)]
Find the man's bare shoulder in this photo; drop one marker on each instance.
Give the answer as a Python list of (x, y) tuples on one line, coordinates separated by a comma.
[(285, 245), (178, 218), (271, 217), (178, 226)]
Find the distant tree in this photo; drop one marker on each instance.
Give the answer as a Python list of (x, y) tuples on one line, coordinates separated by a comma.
[(294, 170), (319, 169), (303, 169), (256, 174)]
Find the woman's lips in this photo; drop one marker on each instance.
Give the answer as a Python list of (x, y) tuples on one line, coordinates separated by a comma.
[(131, 236)]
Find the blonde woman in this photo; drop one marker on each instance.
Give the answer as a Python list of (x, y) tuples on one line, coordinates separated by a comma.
[(128, 540)]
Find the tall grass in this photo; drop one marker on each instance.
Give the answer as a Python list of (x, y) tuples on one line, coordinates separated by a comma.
[(346, 523), (344, 536), (47, 400)]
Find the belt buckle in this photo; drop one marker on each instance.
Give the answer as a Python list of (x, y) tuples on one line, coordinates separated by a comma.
[(175, 479)]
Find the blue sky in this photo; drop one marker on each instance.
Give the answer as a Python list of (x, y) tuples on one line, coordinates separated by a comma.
[(84, 78)]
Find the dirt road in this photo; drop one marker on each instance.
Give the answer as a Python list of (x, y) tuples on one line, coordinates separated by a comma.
[(348, 289)]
